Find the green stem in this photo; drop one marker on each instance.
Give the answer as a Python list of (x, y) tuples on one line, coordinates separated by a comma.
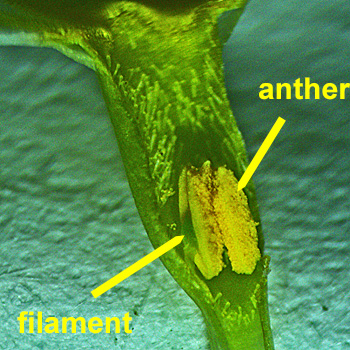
[(160, 70)]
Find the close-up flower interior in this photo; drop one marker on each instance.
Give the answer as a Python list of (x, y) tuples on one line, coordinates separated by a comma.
[(122, 120)]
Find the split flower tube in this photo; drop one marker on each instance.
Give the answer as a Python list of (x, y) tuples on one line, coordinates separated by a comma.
[(160, 67)]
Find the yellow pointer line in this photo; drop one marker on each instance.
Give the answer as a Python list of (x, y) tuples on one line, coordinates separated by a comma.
[(137, 266), (261, 153)]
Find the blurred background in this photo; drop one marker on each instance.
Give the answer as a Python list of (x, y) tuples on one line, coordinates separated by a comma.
[(68, 221)]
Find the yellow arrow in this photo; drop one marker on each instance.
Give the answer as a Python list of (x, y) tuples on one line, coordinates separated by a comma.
[(261, 153), (137, 266)]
